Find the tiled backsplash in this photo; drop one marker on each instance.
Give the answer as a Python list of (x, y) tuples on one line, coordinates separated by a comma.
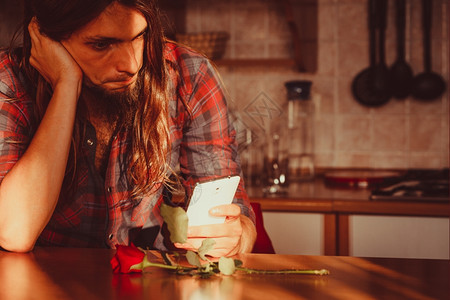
[(401, 134)]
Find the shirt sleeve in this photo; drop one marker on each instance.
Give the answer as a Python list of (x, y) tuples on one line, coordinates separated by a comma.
[(209, 147), (14, 123)]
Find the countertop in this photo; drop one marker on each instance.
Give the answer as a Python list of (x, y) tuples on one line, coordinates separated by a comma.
[(316, 196)]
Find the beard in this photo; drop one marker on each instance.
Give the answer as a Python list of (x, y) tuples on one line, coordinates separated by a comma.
[(120, 106)]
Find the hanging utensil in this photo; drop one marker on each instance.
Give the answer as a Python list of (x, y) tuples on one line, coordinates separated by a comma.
[(400, 73), (427, 85), (371, 86)]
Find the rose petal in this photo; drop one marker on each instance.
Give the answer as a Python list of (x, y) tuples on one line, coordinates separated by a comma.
[(125, 257)]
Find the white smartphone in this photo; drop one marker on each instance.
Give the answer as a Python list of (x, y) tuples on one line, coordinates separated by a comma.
[(209, 194)]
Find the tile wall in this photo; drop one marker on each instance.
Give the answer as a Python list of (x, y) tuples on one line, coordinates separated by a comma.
[(401, 134)]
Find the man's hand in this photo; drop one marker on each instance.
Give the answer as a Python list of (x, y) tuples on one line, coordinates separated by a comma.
[(236, 235), (51, 59)]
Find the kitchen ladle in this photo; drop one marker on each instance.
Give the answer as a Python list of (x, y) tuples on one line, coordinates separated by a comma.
[(371, 86), (400, 72), (427, 85)]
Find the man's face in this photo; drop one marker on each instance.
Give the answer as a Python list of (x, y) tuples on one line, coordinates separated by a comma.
[(110, 49)]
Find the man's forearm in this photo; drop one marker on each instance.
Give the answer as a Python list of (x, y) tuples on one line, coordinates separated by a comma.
[(30, 191)]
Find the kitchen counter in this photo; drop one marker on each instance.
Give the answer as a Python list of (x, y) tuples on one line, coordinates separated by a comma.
[(316, 196), (337, 205)]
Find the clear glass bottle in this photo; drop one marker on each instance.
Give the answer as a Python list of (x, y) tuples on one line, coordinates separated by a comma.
[(275, 162), (300, 131)]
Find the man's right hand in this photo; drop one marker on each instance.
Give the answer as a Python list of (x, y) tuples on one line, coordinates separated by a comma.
[(51, 59)]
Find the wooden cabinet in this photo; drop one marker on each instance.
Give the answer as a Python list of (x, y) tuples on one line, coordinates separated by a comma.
[(295, 233), (302, 233), (326, 221), (399, 236), (301, 18)]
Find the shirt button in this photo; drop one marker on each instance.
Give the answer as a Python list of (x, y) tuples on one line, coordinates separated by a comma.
[(89, 142), (110, 237), (109, 189)]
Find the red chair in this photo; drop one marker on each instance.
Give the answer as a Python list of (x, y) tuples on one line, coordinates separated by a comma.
[(263, 243)]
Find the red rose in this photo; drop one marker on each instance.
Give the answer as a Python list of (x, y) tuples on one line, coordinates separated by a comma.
[(127, 256)]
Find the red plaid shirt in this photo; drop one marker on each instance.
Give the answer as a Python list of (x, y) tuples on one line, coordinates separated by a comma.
[(100, 214)]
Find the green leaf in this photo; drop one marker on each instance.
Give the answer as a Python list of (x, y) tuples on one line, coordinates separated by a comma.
[(207, 245), (226, 265), (193, 259), (177, 222)]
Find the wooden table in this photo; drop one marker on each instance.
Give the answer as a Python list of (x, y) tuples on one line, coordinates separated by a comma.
[(67, 273)]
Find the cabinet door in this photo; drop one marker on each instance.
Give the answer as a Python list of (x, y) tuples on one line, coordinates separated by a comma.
[(396, 236), (295, 233)]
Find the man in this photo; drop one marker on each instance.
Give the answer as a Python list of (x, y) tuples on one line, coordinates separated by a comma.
[(96, 113)]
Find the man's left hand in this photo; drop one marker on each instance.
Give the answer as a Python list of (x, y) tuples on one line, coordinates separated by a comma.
[(236, 235)]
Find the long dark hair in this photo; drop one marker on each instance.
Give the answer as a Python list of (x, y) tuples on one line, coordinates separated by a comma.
[(58, 19)]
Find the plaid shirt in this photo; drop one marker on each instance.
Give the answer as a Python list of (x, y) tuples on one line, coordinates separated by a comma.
[(100, 214)]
